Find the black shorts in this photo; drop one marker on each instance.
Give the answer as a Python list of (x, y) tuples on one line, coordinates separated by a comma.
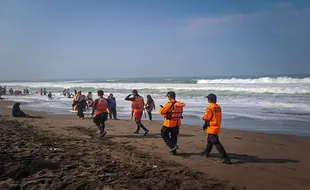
[(100, 118)]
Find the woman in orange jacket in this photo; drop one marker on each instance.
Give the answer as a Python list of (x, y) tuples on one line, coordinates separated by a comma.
[(213, 121)]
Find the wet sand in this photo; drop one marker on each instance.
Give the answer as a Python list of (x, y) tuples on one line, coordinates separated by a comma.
[(64, 152)]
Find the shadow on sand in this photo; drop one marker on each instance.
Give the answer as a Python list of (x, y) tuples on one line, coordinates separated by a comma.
[(244, 158), (150, 135)]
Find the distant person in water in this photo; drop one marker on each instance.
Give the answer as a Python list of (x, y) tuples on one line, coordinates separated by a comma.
[(112, 106), (41, 92), (44, 91), (149, 106), (50, 96), (17, 112)]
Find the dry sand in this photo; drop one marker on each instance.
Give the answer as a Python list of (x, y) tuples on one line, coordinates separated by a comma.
[(64, 152)]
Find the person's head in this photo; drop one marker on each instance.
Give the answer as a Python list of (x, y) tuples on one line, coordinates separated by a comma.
[(111, 95), (100, 93), (89, 92), (79, 92), (171, 95), (149, 98), (16, 105), (135, 92), (212, 98)]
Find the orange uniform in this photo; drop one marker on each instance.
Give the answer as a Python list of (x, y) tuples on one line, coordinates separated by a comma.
[(173, 113), (214, 116), (101, 106), (138, 104)]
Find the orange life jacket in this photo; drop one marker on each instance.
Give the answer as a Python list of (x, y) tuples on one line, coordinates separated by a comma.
[(138, 104), (102, 106), (176, 112), (173, 113)]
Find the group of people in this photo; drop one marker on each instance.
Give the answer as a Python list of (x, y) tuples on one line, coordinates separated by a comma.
[(173, 114), (43, 92), (26, 91), (68, 94), (172, 111)]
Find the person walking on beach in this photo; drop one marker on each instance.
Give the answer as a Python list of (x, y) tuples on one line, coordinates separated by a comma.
[(213, 121), (112, 104), (149, 106), (172, 112), (138, 107), (101, 107)]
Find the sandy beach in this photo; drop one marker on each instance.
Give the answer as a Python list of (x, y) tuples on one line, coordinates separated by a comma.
[(64, 152)]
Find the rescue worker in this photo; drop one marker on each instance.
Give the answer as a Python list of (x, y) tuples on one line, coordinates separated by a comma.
[(172, 112), (138, 107), (213, 121), (101, 109)]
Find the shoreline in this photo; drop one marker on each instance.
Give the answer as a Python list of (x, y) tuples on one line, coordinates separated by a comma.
[(262, 161), (155, 121)]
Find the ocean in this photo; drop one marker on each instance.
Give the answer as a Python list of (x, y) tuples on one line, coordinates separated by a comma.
[(268, 104)]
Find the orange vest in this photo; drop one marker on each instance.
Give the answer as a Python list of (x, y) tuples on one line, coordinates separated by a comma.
[(102, 106), (173, 113), (214, 116), (138, 104)]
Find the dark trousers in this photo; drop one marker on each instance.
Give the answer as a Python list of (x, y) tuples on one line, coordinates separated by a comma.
[(170, 135), (150, 115), (140, 125), (80, 108), (113, 113), (214, 140), (100, 120)]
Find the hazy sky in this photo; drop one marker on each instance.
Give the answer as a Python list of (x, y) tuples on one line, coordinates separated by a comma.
[(50, 39)]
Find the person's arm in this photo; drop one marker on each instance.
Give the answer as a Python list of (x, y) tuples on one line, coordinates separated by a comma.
[(208, 115), (109, 110), (154, 106), (94, 107), (130, 99), (165, 109)]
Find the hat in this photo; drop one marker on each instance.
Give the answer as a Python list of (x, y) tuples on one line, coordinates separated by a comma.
[(171, 94), (212, 97)]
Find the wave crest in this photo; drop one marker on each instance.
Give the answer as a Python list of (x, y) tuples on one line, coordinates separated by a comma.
[(263, 80)]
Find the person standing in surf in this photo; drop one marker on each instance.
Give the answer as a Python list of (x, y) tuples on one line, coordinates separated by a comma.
[(172, 112), (213, 121), (101, 109), (138, 107), (79, 100), (112, 104), (149, 106)]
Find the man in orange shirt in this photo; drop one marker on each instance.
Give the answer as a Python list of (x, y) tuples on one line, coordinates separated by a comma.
[(213, 121), (101, 109), (138, 108), (172, 112)]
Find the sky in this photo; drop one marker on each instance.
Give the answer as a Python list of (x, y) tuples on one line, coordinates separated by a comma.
[(75, 39)]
